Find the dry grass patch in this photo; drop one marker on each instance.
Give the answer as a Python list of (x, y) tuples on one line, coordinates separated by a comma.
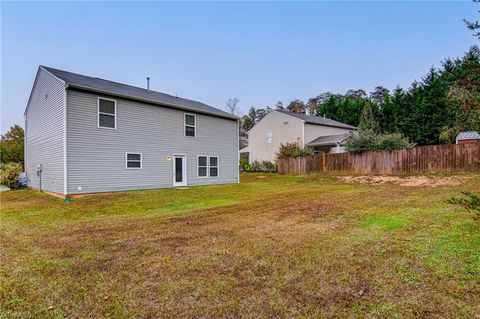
[(286, 247), (408, 181)]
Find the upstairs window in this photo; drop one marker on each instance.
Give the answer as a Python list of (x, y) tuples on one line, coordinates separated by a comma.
[(202, 166), (213, 166), (107, 113), (134, 160), (190, 125), (268, 137)]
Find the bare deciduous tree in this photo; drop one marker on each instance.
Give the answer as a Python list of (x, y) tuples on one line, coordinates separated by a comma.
[(232, 106)]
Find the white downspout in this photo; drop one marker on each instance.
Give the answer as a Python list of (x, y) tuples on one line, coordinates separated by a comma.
[(303, 134)]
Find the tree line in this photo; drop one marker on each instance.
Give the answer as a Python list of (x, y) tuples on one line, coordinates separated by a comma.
[(433, 110)]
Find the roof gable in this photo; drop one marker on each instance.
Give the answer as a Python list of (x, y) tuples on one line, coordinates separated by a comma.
[(330, 139), (269, 114), (317, 120)]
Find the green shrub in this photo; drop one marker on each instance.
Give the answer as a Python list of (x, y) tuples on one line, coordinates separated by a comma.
[(247, 167), (392, 141), (9, 174), (263, 167), (269, 166), (470, 202), (292, 150), (243, 162), (367, 141), (363, 141)]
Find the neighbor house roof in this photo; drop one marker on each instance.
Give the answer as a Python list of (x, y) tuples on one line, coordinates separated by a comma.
[(313, 119), (330, 139), (468, 135), (89, 83)]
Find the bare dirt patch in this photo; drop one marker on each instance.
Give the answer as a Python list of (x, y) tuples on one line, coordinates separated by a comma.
[(410, 181)]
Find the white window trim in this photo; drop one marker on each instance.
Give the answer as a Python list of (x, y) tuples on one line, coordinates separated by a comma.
[(126, 160), (267, 137), (114, 115), (218, 166), (207, 167), (185, 125)]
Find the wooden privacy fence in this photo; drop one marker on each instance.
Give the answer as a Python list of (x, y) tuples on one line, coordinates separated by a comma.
[(417, 160)]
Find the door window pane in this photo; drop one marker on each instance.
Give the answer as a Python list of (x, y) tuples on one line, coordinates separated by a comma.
[(178, 169)]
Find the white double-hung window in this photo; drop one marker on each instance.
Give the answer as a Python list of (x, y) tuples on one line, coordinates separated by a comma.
[(202, 166), (107, 113), (207, 166), (190, 125), (213, 164), (268, 137), (133, 160)]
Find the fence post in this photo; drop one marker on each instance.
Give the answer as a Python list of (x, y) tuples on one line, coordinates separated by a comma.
[(324, 163)]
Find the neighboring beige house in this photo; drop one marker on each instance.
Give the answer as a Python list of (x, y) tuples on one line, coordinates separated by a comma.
[(324, 135)]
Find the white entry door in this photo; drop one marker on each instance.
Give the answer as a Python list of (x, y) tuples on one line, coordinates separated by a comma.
[(179, 170)]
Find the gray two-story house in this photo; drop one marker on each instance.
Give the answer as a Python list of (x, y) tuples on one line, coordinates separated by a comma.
[(86, 135)]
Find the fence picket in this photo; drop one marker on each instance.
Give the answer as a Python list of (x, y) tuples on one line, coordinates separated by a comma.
[(423, 159)]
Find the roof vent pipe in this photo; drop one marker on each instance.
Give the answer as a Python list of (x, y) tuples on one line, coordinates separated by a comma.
[(324, 117), (148, 84)]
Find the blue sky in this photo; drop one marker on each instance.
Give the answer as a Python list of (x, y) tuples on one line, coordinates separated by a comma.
[(259, 52)]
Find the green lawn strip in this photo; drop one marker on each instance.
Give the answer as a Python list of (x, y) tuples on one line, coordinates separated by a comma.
[(278, 247)]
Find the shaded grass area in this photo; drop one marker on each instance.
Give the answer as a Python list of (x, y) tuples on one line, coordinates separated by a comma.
[(287, 247)]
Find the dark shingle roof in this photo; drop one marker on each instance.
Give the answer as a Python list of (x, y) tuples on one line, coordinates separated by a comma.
[(313, 119), (114, 88), (329, 139)]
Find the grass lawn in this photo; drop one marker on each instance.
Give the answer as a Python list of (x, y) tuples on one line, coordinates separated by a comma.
[(283, 247)]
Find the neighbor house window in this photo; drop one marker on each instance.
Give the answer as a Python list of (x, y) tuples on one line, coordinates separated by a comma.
[(268, 137), (134, 160), (213, 166), (202, 166), (190, 125), (107, 113)]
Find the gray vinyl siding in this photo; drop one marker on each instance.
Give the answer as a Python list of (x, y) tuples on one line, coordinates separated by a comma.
[(96, 156), (44, 133)]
